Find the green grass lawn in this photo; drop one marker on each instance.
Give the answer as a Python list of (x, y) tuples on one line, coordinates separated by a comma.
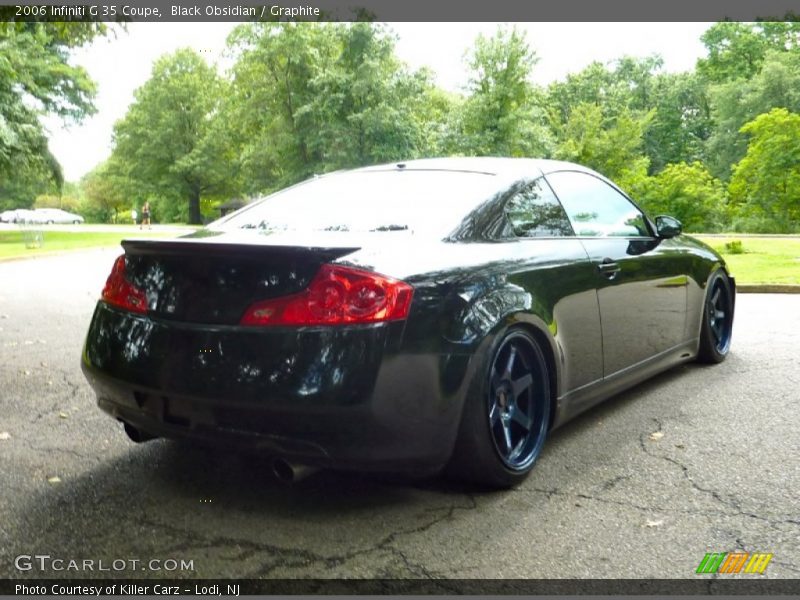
[(765, 260), (12, 243)]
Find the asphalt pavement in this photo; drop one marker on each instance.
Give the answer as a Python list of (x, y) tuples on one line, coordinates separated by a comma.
[(700, 459)]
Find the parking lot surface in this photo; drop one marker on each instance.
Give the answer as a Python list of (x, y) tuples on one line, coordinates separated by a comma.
[(700, 459)]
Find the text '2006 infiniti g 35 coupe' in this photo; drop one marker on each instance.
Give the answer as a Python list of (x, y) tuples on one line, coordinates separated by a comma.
[(405, 317)]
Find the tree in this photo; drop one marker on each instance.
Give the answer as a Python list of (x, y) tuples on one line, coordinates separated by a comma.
[(105, 192), (36, 78), (628, 83), (610, 146), (689, 193), (173, 140), (628, 89), (63, 201), (681, 121), (367, 105), (503, 113), (20, 187), (766, 182), (438, 116), (313, 97), (738, 50), (777, 85), (272, 96)]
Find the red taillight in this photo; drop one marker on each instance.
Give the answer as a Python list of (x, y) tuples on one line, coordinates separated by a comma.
[(336, 296), (121, 292)]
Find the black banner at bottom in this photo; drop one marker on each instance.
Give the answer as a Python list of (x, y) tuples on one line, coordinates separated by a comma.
[(702, 585)]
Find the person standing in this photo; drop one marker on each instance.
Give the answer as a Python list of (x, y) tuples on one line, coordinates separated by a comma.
[(145, 215)]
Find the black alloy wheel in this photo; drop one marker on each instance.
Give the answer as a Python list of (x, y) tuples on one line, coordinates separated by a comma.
[(506, 419), (717, 327), (515, 414)]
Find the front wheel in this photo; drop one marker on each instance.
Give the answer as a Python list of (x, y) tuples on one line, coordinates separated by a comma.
[(506, 415), (717, 326)]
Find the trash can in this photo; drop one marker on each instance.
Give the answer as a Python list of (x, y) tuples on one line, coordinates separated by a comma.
[(32, 235)]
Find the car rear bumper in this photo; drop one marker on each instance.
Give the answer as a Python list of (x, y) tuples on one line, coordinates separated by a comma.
[(346, 398)]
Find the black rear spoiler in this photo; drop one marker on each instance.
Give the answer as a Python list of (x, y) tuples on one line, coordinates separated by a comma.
[(210, 246)]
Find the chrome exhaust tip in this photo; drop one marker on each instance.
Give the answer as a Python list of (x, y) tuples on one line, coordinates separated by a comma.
[(287, 472)]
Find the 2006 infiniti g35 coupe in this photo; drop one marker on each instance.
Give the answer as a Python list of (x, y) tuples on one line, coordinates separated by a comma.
[(405, 317)]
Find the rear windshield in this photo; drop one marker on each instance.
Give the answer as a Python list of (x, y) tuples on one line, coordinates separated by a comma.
[(395, 200)]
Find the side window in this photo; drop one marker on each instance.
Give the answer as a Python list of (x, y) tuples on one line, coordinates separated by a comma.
[(534, 211), (596, 209)]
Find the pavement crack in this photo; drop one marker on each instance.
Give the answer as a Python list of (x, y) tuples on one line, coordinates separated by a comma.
[(730, 502), (290, 558), (50, 450), (609, 484)]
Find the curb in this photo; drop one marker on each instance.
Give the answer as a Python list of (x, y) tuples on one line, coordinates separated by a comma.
[(54, 253), (767, 288)]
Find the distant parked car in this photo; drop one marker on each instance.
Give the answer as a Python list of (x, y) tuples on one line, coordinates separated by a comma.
[(19, 215), (55, 215)]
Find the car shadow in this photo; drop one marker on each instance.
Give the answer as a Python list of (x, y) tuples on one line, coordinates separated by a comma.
[(149, 497)]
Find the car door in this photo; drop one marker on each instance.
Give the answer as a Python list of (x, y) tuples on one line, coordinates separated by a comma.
[(641, 287), (554, 268)]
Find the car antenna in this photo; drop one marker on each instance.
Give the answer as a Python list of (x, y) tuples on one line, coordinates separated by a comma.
[(401, 165)]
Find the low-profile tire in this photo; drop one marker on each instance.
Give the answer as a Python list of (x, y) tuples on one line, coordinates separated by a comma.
[(506, 415), (717, 326)]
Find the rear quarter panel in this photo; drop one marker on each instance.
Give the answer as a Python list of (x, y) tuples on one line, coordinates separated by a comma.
[(467, 294)]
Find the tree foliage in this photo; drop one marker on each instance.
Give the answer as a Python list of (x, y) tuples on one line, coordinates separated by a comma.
[(735, 103), (737, 51), (611, 146), (715, 146), (272, 93), (173, 139), (503, 113), (766, 182), (681, 120), (310, 98), (36, 78), (366, 103), (106, 192), (688, 192)]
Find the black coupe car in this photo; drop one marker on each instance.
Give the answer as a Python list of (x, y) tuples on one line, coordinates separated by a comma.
[(405, 317)]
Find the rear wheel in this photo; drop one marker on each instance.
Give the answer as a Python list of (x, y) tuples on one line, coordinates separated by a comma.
[(717, 326), (506, 416)]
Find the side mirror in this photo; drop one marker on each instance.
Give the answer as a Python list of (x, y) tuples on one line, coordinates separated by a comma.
[(668, 227)]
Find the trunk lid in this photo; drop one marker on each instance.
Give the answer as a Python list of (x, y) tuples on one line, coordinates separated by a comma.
[(212, 279)]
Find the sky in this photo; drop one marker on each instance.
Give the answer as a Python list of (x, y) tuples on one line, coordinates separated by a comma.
[(120, 64)]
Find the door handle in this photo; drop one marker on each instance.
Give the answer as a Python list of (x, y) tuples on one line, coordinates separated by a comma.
[(608, 268)]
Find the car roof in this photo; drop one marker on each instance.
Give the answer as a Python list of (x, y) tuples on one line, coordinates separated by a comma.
[(490, 165)]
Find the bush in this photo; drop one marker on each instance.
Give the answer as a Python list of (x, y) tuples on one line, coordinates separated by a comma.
[(687, 192), (734, 247), (167, 210)]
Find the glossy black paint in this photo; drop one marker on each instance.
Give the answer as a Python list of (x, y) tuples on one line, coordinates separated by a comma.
[(606, 312)]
